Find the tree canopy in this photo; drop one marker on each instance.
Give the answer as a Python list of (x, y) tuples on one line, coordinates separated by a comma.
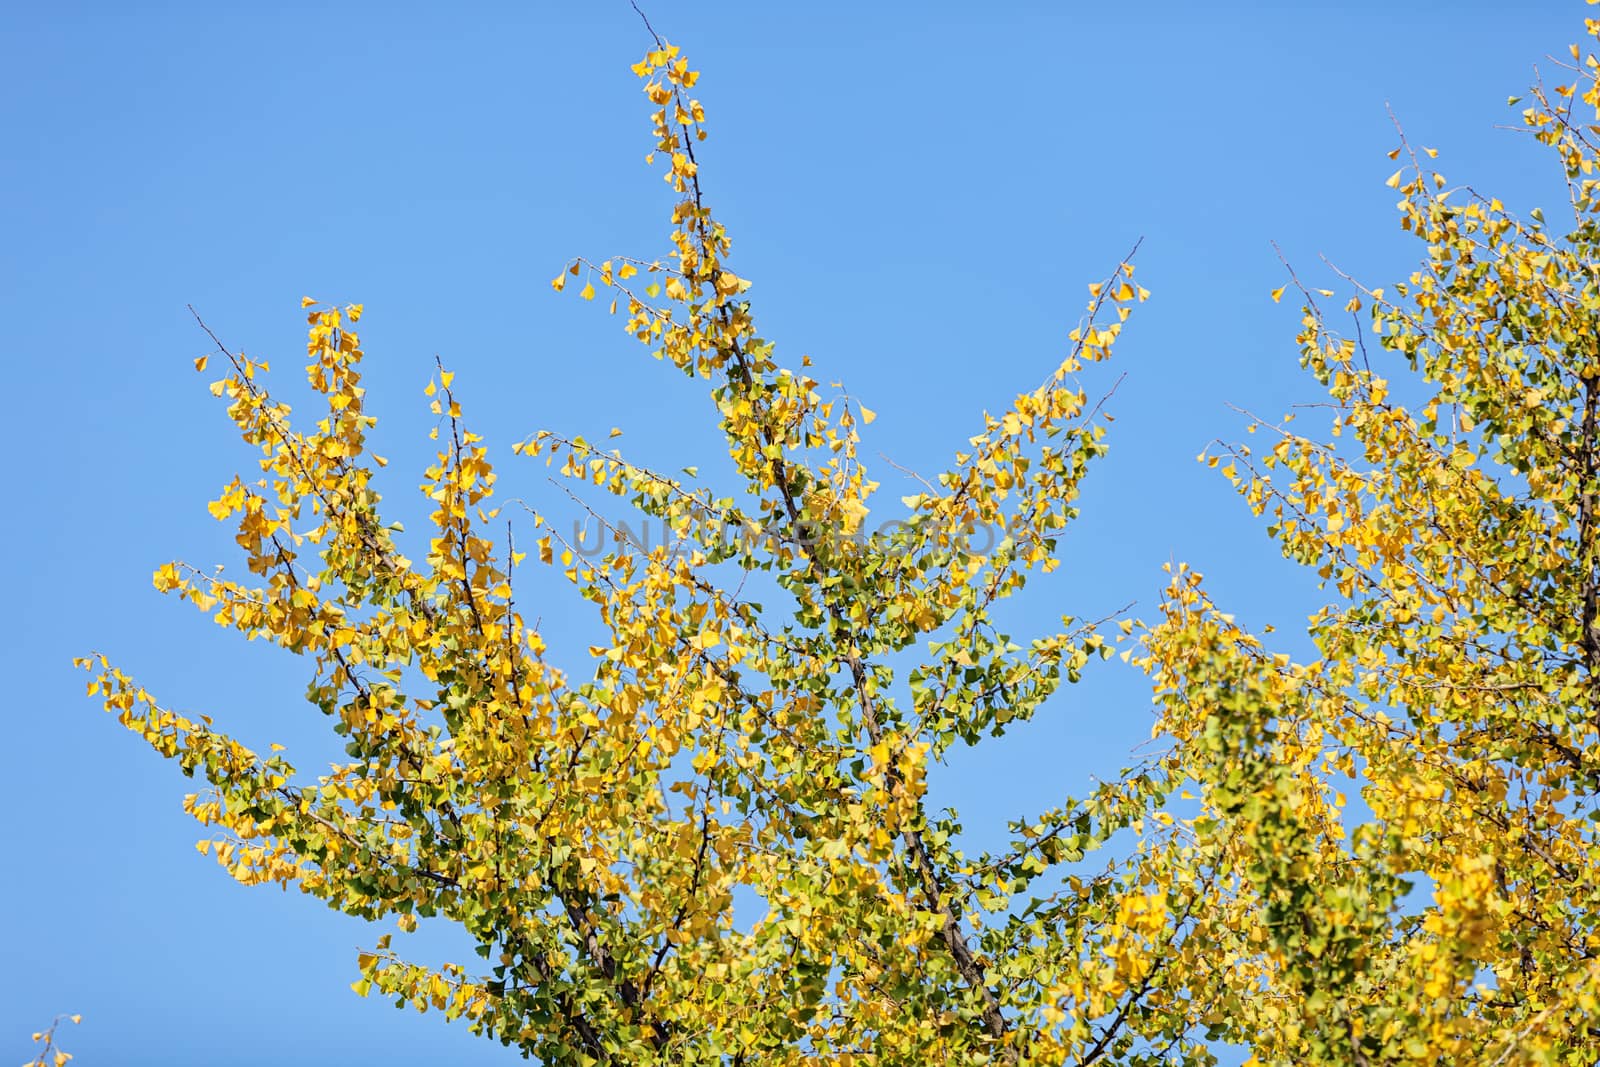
[(1382, 853)]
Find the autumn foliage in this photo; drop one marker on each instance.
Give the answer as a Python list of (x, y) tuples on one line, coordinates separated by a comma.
[(1386, 853)]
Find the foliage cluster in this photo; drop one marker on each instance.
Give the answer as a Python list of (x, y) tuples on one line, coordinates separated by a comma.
[(1383, 854)]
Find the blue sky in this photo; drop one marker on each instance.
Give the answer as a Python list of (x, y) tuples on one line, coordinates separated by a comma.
[(919, 194)]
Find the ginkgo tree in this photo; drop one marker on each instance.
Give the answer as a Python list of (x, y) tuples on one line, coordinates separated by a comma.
[(1383, 854), (590, 826), (1408, 824)]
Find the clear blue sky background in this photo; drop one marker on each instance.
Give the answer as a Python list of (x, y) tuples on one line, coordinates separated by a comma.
[(919, 193)]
